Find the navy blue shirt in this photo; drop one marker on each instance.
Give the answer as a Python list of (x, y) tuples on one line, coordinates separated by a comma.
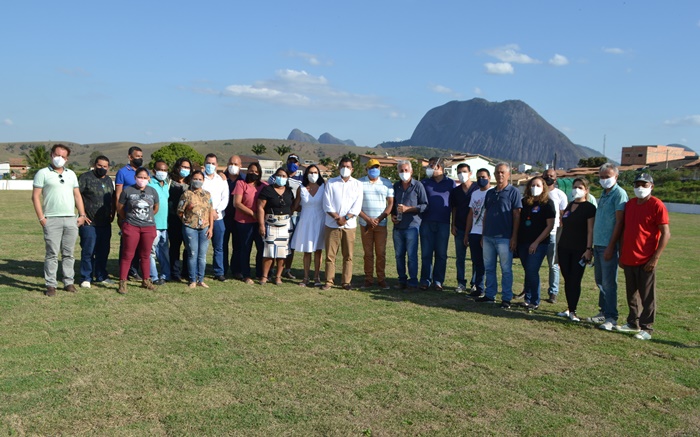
[(438, 194), (499, 206), (414, 195), (460, 200)]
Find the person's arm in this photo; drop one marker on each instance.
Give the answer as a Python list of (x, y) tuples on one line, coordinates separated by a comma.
[(297, 200), (468, 228), (212, 218), (82, 217), (225, 195), (588, 254), (663, 241), (543, 235), (328, 207), (514, 235), (121, 213), (38, 209), (356, 206), (238, 204), (261, 216), (616, 235), (387, 210), (454, 221)]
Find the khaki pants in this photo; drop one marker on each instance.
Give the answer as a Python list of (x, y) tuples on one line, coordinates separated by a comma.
[(345, 240), (374, 240)]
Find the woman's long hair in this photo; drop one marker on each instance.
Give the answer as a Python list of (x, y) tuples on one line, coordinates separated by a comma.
[(543, 198), (305, 180)]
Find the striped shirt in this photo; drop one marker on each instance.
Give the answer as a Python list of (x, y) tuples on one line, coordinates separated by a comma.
[(374, 197)]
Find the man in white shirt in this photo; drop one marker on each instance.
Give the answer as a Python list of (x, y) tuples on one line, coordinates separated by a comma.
[(473, 231), (218, 189), (342, 203), (560, 201)]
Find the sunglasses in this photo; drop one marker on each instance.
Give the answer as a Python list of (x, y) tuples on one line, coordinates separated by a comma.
[(60, 177)]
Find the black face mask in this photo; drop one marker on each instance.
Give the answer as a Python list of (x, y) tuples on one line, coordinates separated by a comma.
[(549, 181), (252, 177), (100, 172), (136, 163)]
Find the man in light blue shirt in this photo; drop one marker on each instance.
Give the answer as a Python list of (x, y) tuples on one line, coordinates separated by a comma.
[(161, 249), (377, 201)]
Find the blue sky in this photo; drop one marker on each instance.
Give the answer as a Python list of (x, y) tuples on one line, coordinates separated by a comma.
[(363, 70)]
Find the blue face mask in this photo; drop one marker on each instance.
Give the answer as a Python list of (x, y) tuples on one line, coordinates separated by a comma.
[(210, 168), (184, 172), (281, 181), (292, 167), (483, 182), (373, 173)]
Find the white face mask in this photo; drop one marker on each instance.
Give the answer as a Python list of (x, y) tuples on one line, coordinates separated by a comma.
[(313, 177), (429, 172), (463, 177), (536, 191), (345, 172), (608, 183), (642, 192), (161, 175), (233, 169), (405, 176), (577, 193), (58, 162)]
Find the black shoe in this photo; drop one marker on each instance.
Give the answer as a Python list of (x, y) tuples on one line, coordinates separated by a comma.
[(159, 282), (485, 299), (475, 294), (221, 278), (519, 296), (505, 304), (530, 307), (552, 298), (136, 277)]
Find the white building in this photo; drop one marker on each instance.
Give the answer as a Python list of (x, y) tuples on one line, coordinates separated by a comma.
[(522, 168), (475, 163), (4, 168)]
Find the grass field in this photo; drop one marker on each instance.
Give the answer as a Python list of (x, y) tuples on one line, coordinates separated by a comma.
[(285, 360)]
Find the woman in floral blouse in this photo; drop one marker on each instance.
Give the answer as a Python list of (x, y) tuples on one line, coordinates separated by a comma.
[(196, 212)]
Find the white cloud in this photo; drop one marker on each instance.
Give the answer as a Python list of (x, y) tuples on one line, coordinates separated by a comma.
[(499, 68), (690, 120), (559, 60), (478, 91), (301, 89), (441, 89), (396, 115), (8, 122), (613, 50), (308, 57), (510, 53)]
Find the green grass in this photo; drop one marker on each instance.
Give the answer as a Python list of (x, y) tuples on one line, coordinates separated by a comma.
[(252, 360)]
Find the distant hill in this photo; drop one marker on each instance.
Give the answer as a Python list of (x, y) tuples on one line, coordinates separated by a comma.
[(509, 130), (325, 138)]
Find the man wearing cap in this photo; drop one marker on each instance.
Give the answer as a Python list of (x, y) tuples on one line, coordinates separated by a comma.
[(645, 235), (377, 201), (294, 181), (560, 202), (607, 230)]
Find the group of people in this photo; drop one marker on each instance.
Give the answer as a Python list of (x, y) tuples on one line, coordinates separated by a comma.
[(298, 211)]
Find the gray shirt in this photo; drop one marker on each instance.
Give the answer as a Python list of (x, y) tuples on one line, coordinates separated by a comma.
[(138, 205)]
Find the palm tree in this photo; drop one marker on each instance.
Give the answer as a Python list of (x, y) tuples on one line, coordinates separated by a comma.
[(282, 150), (37, 158), (259, 149)]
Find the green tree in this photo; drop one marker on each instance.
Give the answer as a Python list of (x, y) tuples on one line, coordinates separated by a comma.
[(259, 149), (282, 150), (593, 161), (173, 151), (37, 158)]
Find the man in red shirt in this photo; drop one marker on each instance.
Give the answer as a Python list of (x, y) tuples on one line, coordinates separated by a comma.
[(645, 235)]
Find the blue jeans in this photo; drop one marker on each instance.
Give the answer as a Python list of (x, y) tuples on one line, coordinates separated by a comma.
[(160, 250), (406, 243), (461, 255), (94, 241), (217, 242), (498, 247), (531, 263), (606, 280), (196, 243), (434, 238), (246, 235), (230, 246), (477, 254), (553, 266)]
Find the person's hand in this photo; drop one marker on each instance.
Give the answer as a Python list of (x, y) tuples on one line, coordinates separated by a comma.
[(216, 215), (513, 244), (394, 220), (401, 208), (210, 232), (608, 254), (373, 223), (341, 221), (533, 248), (454, 230), (43, 221), (651, 264), (261, 230), (466, 240)]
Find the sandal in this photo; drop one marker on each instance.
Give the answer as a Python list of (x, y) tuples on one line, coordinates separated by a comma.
[(304, 282), (317, 282), (278, 280), (263, 280)]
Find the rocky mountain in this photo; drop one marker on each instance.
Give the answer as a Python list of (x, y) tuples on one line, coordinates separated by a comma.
[(509, 130), (326, 138)]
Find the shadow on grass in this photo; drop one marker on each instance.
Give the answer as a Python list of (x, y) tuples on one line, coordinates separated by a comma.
[(12, 271)]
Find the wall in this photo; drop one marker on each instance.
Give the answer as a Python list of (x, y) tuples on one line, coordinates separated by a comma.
[(685, 208), (19, 184)]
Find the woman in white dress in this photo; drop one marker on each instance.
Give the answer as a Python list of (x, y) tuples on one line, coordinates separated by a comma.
[(308, 235)]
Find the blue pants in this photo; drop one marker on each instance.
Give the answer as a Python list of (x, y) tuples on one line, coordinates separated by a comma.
[(160, 250), (217, 242), (553, 265), (477, 254), (246, 235), (461, 255), (606, 280), (406, 243), (531, 263), (434, 238), (94, 242), (231, 243), (178, 269), (196, 243), (498, 247)]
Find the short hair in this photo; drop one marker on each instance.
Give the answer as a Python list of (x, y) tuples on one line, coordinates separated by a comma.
[(101, 158), (160, 160), (133, 149), (189, 178), (543, 198), (305, 179), (404, 162), (484, 169), (283, 169), (60, 146), (462, 165), (503, 164), (141, 170), (609, 165), (437, 161), (211, 155), (343, 160)]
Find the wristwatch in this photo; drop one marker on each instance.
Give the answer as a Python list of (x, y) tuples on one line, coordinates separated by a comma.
[(346, 217)]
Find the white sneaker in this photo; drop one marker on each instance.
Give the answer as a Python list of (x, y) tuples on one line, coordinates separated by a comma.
[(573, 317), (627, 328), (642, 335), (461, 289), (608, 325), (85, 284), (597, 319), (563, 314)]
